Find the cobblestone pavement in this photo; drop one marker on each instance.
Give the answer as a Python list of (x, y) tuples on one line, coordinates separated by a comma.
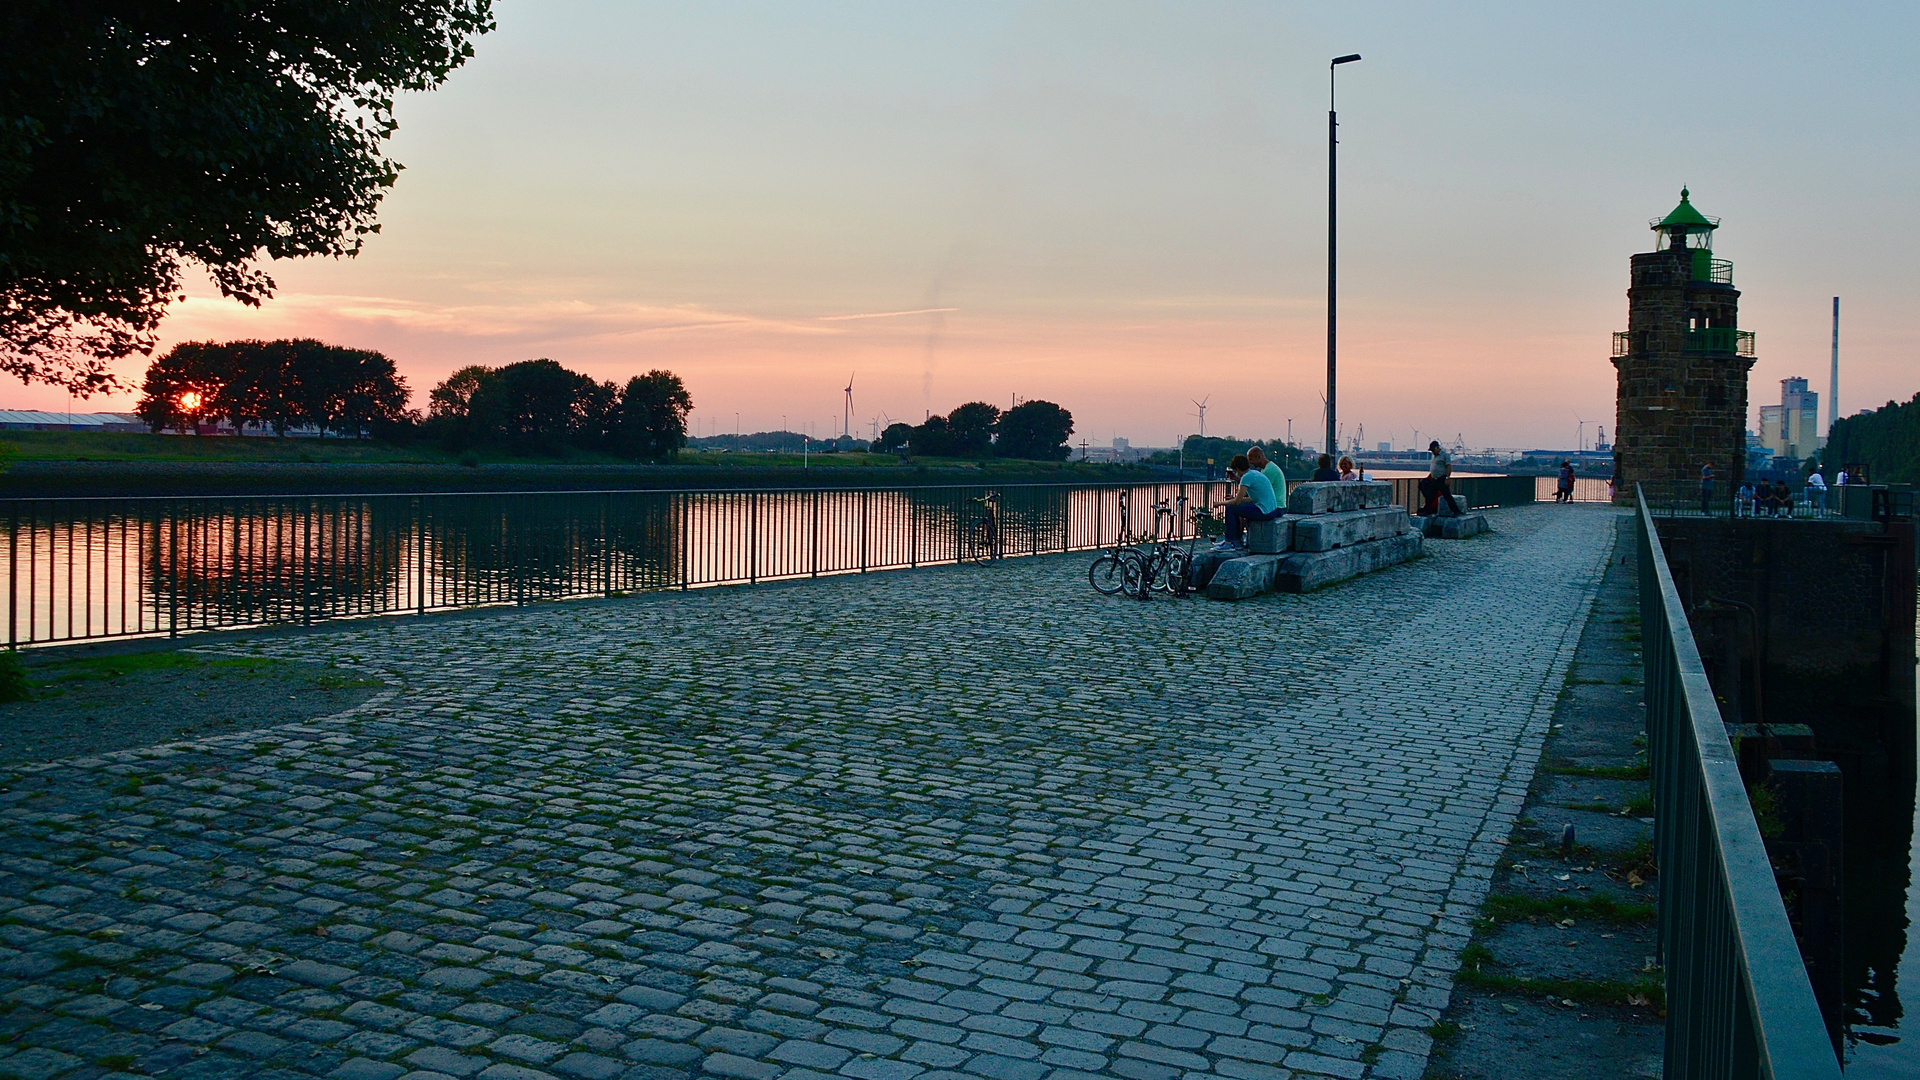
[(963, 822)]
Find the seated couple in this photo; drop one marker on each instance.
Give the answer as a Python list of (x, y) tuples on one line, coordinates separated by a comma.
[(1346, 471), (1261, 495)]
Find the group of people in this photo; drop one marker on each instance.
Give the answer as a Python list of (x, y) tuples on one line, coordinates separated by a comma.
[(1764, 499), (1260, 487)]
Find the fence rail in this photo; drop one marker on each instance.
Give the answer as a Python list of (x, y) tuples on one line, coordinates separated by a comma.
[(1739, 1003), (1472, 491), (81, 569)]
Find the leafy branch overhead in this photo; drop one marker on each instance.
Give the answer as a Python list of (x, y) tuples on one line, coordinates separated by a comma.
[(139, 138)]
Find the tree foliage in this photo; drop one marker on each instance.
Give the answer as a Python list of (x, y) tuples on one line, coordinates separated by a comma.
[(278, 384), (538, 406), (1887, 440), (1036, 430), (137, 138)]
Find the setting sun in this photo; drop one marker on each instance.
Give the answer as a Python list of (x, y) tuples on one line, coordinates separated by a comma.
[(189, 400)]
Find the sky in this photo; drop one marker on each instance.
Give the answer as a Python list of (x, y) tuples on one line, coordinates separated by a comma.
[(1121, 207)]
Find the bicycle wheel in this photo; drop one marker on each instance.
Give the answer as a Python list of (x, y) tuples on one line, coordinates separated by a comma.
[(1106, 575)]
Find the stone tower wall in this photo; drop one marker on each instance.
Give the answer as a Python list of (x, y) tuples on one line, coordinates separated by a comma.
[(1674, 410)]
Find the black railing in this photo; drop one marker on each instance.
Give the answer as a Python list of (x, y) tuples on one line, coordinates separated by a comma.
[(1860, 502), (1473, 491), (1739, 1003), (80, 569)]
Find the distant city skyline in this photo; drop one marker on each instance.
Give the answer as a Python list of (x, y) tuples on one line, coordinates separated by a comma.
[(1121, 207)]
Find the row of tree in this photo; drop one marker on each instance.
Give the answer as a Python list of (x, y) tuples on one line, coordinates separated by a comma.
[(1033, 430), (537, 406), (1887, 440), (273, 384), (534, 406)]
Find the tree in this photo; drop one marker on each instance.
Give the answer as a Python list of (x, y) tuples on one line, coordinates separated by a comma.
[(1034, 429), (532, 406), (277, 383), (137, 138), (971, 427), (893, 438), (933, 438), (652, 420), (1886, 440)]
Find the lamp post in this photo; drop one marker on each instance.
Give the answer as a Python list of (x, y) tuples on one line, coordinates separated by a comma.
[(1333, 143)]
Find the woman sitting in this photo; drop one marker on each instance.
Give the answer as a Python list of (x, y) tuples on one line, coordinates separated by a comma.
[(1347, 471)]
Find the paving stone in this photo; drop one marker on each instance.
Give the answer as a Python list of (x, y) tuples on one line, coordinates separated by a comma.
[(570, 842)]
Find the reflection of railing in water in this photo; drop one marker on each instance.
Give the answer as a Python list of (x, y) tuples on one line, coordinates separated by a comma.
[(82, 569)]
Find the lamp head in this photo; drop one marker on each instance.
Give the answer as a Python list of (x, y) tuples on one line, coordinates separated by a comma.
[(1347, 59)]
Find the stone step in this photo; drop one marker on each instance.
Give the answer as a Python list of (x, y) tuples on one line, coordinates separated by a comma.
[(1455, 528), (1336, 496), (1324, 532), (1249, 575), (1306, 571), (1269, 537)]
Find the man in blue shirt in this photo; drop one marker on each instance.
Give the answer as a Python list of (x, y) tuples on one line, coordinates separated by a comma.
[(1255, 501)]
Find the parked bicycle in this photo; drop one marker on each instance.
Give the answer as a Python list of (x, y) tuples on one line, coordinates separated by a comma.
[(980, 541), (1118, 567), (1168, 567)]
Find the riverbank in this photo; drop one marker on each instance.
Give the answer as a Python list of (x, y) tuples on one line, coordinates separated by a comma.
[(52, 464)]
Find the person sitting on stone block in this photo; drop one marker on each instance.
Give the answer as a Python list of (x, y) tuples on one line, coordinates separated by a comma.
[(1326, 471), (1436, 485), (1254, 501), (1257, 457)]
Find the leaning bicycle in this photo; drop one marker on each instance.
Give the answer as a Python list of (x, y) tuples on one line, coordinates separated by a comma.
[(1118, 568), (980, 541)]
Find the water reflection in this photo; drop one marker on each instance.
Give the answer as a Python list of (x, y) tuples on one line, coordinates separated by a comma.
[(105, 567), (1881, 906)]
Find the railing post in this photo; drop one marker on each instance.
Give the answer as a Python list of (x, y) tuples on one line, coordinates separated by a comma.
[(753, 538), (815, 544), (863, 528), (13, 577), (173, 573), (686, 560), (606, 547)]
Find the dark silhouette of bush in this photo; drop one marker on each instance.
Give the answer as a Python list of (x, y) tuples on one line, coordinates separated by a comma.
[(1036, 430)]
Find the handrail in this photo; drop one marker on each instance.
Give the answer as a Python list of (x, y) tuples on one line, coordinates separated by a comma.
[(1739, 1003)]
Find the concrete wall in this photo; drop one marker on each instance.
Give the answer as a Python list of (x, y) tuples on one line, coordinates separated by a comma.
[(1835, 607)]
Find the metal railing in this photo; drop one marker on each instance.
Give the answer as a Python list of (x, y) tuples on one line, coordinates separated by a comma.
[(1739, 1003), (1718, 339), (81, 569), (1472, 491), (1859, 502)]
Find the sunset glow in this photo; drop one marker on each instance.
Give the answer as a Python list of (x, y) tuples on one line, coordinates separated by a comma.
[(1118, 209)]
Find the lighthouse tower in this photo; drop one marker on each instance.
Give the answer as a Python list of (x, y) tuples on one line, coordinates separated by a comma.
[(1682, 362)]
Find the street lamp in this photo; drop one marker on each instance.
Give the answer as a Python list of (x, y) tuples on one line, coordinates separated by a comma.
[(1333, 143)]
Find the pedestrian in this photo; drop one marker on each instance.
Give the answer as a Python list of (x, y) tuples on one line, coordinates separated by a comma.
[(1563, 492), (1841, 479), (1326, 471), (1436, 483), (1743, 501), (1347, 471), (1613, 482), (1706, 489), (1817, 493), (1782, 499)]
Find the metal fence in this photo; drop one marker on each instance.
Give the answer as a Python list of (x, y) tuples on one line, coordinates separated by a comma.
[(80, 569), (1739, 1003), (1472, 491), (1860, 502)]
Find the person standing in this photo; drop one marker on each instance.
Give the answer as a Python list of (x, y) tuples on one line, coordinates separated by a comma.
[(1706, 489), (1437, 483), (1564, 491)]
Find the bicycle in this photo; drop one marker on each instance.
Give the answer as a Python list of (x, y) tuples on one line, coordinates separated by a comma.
[(981, 542), (1117, 568), (1168, 569)]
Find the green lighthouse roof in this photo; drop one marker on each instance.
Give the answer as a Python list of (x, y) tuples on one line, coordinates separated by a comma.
[(1686, 215)]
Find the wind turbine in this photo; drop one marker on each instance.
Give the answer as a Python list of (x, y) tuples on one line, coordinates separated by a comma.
[(846, 426), (1580, 433), (1202, 406)]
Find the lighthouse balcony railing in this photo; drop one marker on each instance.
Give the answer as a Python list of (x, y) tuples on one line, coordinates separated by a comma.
[(1718, 271), (1718, 339), (1623, 343)]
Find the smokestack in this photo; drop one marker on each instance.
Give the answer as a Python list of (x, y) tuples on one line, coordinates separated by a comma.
[(1833, 388)]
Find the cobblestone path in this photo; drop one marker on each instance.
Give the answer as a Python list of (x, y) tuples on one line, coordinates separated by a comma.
[(964, 822)]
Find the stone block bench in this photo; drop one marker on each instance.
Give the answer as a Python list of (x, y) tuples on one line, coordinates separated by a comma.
[(1331, 532), (1446, 525)]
